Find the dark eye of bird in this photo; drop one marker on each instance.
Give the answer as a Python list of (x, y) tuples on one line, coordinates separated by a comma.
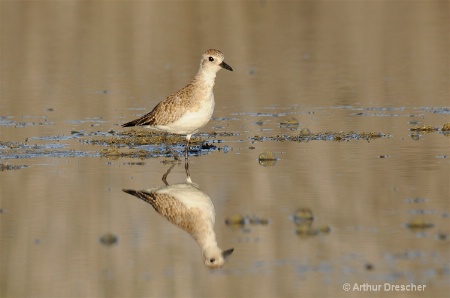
[(211, 59), (212, 260)]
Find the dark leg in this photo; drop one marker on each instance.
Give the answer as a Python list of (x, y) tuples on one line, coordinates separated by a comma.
[(186, 168), (175, 155), (186, 152), (164, 177)]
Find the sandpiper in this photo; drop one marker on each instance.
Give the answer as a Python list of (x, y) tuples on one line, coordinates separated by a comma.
[(189, 109), (189, 208)]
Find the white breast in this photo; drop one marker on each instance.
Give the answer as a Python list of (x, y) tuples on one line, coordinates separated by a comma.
[(192, 120), (191, 196)]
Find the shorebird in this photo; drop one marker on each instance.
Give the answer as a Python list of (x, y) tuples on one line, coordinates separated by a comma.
[(188, 207), (189, 109)]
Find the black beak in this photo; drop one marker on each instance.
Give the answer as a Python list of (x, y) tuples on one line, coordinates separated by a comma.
[(226, 66), (228, 252)]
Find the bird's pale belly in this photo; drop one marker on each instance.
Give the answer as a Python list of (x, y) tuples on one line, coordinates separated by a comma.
[(191, 121)]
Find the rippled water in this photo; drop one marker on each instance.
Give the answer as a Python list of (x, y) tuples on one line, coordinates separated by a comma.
[(369, 159)]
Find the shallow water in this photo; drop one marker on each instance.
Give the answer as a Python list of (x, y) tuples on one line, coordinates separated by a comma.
[(73, 72)]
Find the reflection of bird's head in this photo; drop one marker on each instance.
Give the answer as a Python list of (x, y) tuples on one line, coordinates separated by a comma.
[(215, 258)]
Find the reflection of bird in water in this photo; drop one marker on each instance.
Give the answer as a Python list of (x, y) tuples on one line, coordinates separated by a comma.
[(186, 206)]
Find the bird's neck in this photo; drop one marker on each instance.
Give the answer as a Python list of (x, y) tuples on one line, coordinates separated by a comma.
[(205, 238), (205, 78), (207, 243)]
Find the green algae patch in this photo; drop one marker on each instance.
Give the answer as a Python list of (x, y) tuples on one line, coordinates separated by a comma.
[(424, 128), (305, 135), (267, 159), (114, 153), (140, 137), (446, 127), (419, 224), (134, 138), (241, 222), (114, 146), (303, 219), (429, 128), (290, 123), (9, 167)]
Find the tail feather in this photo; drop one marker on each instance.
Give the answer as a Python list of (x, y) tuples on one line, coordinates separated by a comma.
[(130, 191), (131, 123), (146, 197), (137, 193)]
